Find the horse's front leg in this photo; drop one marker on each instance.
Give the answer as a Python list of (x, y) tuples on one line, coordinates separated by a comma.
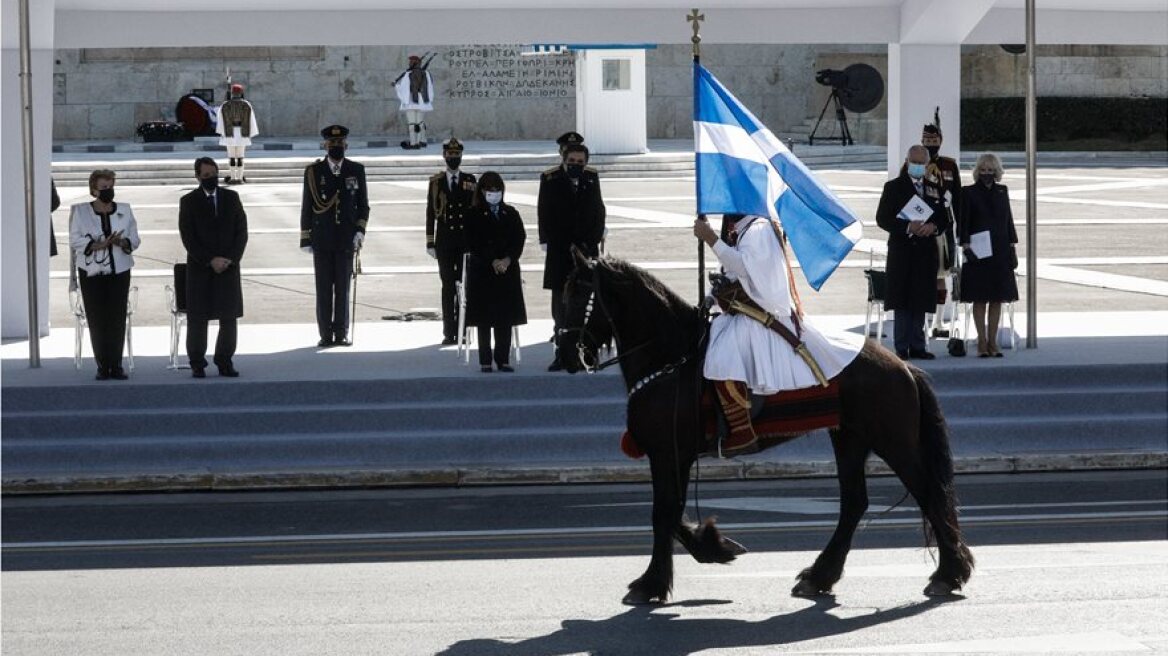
[(656, 583)]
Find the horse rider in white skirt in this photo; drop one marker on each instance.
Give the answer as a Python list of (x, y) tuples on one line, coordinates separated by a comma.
[(744, 354)]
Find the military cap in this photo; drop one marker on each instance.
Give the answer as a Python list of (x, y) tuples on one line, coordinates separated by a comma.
[(569, 138), (335, 132), (933, 128), (237, 88), (414, 58), (452, 145)]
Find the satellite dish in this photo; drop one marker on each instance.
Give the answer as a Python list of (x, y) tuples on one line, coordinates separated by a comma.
[(1014, 48), (862, 90)]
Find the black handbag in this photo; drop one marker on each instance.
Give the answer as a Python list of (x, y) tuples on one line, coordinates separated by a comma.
[(956, 347)]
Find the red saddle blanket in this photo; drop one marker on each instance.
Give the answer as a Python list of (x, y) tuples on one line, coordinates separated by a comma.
[(783, 417)]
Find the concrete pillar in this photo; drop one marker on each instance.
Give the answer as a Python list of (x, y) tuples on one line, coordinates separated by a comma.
[(920, 78), (13, 256)]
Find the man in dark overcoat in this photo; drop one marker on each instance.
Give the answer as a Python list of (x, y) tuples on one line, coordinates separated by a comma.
[(571, 212), (911, 290), (448, 200), (213, 227), (334, 210)]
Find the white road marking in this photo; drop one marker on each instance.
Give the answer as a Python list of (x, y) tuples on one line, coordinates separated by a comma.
[(1099, 642), (588, 530)]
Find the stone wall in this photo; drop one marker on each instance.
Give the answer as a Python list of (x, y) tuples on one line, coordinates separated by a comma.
[(495, 92)]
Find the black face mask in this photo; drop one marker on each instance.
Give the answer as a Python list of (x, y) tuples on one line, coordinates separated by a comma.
[(986, 179), (574, 170), (933, 150), (209, 184), (453, 163), (106, 195), (336, 153)]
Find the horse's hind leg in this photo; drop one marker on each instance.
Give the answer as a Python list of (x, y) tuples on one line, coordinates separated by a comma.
[(828, 568), (937, 502)]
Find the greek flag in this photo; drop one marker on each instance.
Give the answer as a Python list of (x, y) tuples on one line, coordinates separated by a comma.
[(742, 168)]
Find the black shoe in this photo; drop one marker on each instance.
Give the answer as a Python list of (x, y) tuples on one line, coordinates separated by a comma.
[(555, 366), (325, 342), (506, 368), (903, 355), (117, 373), (937, 332), (920, 355), (449, 341), (102, 374), (228, 371), (342, 341), (198, 372), (486, 369)]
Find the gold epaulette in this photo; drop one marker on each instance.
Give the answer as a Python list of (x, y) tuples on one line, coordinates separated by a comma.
[(550, 172), (590, 169), (438, 176)]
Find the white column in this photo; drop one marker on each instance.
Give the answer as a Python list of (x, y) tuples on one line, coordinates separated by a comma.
[(920, 78), (13, 256)]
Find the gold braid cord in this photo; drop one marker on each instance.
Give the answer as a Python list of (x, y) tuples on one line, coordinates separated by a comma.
[(319, 207)]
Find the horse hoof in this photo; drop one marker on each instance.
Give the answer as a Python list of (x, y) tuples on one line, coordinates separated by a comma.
[(733, 546), (640, 598), (939, 589), (805, 588)]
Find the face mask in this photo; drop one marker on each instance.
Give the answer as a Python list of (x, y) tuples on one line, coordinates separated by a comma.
[(106, 195), (336, 153), (209, 184), (574, 170), (933, 150), (986, 179), (916, 170), (493, 197), (453, 163)]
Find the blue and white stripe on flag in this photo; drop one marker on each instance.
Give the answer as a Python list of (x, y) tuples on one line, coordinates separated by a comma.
[(742, 168)]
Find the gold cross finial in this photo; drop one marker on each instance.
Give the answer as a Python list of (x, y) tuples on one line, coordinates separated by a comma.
[(696, 18)]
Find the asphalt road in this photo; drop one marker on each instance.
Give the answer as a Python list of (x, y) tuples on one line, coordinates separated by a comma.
[(1067, 562), (1108, 220)]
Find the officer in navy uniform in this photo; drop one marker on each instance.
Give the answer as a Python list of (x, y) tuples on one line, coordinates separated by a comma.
[(447, 202), (571, 212), (334, 211)]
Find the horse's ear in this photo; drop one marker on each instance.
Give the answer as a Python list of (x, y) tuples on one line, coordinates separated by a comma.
[(582, 261)]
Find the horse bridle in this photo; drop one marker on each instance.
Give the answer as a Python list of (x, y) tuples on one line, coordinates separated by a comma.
[(594, 300)]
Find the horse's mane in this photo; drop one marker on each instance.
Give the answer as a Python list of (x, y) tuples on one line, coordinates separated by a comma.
[(677, 322)]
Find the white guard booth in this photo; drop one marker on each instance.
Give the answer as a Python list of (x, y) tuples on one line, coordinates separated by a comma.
[(610, 98)]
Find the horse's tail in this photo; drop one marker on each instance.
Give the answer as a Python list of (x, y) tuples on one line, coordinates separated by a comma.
[(937, 465)]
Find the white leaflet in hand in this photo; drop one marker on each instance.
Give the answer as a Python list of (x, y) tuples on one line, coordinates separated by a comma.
[(915, 210), (979, 243)]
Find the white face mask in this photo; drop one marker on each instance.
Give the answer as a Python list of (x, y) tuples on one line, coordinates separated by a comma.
[(493, 197)]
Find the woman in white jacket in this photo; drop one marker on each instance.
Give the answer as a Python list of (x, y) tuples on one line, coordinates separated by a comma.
[(102, 236)]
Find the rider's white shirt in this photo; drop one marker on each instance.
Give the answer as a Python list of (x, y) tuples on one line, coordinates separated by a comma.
[(743, 349)]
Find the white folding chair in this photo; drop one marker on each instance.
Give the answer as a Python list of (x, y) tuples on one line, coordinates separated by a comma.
[(877, 283), (176, 296)]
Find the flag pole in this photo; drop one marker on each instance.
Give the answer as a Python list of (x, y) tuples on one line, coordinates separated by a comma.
[(695, 19)]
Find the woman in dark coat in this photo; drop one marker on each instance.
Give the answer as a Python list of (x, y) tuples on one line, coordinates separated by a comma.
[(494, 295), (990, 280)]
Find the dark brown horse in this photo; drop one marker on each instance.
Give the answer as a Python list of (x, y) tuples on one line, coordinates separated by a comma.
[(887, 407)]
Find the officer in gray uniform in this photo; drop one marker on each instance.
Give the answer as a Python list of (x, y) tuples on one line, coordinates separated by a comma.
[(334, 211)]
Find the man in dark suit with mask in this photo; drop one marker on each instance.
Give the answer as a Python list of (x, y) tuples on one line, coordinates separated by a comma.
[(334, 211), (448, 199), (213, 227), (571, 212)]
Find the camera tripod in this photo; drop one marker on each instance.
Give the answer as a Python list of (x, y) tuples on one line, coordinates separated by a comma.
[(845, 136)]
